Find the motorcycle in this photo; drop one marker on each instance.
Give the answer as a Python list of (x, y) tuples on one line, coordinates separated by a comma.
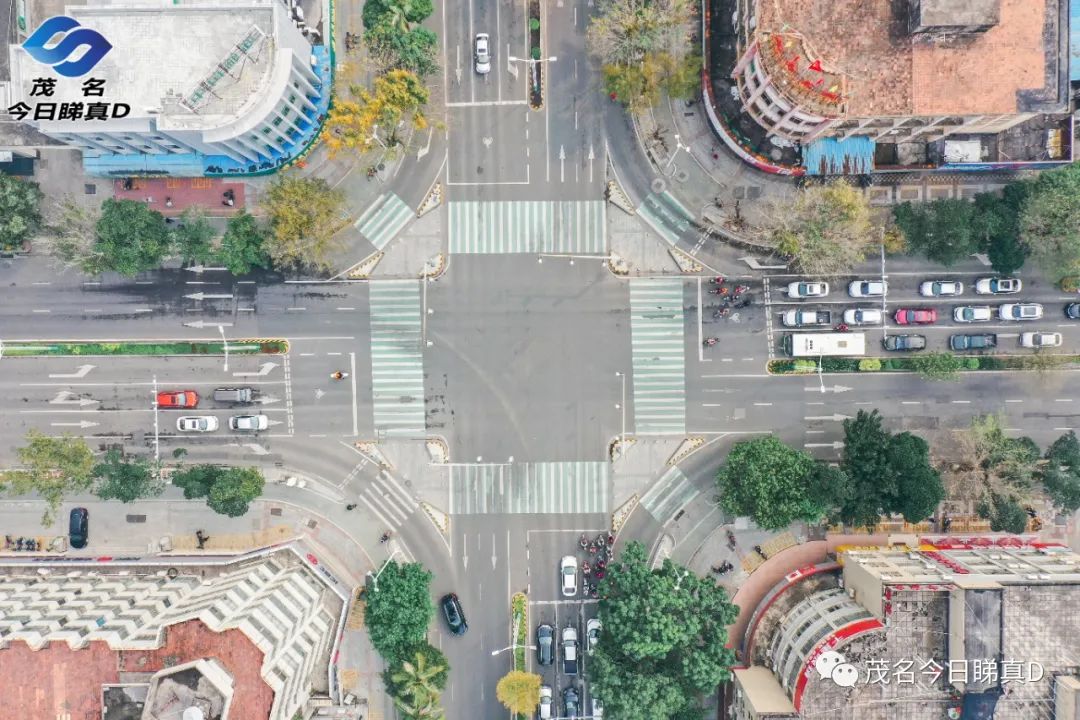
[(842, 327), (583, 541), (759, 551), (601, 540), (385, 537), (719, 291), (730, 540), (339, 375), (586, 568), (740, 289), (709, 342), (718, 280)]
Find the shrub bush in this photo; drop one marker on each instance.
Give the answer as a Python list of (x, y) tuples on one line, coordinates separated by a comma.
[(804, 366), (971, 363), (1070, 283), (869, 365)]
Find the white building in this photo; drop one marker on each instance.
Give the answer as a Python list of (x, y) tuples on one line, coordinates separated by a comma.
[(234, 81)]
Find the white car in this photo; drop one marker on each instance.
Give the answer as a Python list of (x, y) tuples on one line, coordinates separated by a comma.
[(998, 286), (973, 313), (545, 702), (249, 423), (592, 634), (483, 54), (597, 709), (197, 423), (1020, 311), (862, 316), (568, 570), (1040, 339), (941, 288), (867, 288), (806, 289)]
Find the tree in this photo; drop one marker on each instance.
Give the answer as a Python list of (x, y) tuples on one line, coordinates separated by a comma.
[(400, 12), (242, 245), (130, 238), (125, 479), (305, 214), (664, 640), (194, 236), (52, 467), (413, 50), (996, 223), (416, 682), (519, 691), (937, 365), (943, 230), (1004, 513), (437, 668), (918, 485), (1050, 220), (1060, 475), (826, 229), (399, 609), (772, 483), (228, 490), (70, 236), (20, 216), (353, 123)]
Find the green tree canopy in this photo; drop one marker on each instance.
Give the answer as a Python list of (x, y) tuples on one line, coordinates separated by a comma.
[(131, 238), (125, 479), (1004, 513), (396, 12), (918, 485), (305, 214), (519, 691), (664, 638), (228, 490), (1050, 220), (1060, 474), (774, 484), (826, 229), (242, 245), (414, 50), (399, 610), (52, 467), (415, 682), (943, 230), (20, 216), (194, 236)]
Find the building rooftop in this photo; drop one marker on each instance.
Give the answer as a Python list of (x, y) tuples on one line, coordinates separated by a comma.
[(877, 68)]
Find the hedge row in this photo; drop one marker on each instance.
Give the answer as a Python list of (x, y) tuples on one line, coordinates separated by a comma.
[(237, 347), (908, 364)]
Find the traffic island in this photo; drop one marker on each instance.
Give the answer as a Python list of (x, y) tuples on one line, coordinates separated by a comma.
[(931, 365), (536, 69), (519, 612), (63, 348)]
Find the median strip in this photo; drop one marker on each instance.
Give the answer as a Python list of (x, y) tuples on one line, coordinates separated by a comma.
[(63, 348), (931, 364)]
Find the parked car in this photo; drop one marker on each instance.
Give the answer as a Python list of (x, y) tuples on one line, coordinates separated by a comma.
[(804, 318), (597, 709), (941, 288), (867, 288), (455, 616), (806, 289), (545, 702), (973, 313), (915, 316), (862, 316), (234, 395), (904, 342), (984, 341), (1040, 339), (568, 571), (1072, 311), (570, 702), (78, 528), (177, 399), (197, 423), (1020, 311), (570, 650), (483, 54), (545, 641), (998, 286), (249, 423), (592, 634)]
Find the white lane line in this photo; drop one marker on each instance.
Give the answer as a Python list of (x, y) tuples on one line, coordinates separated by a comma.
[(306, 354), (144, 310), (41, 311), (346, 308), (712, 405), (911, 402), (815, 432), (1014, 401), (1063, 399), (295, 309), (815, 403), (961, 402), (762, 404)]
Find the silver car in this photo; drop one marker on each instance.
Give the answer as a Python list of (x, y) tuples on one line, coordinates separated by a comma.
[(568, 571), (483, 54), (941, 288), (197, 423), (249, 423)]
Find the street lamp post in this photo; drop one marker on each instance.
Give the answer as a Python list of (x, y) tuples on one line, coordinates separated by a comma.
[(511, 647), (375, 576), (221, 329), (622, 407), (678, 146), (821, 378)]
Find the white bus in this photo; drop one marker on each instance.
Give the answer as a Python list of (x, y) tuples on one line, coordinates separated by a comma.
[(825, 344)]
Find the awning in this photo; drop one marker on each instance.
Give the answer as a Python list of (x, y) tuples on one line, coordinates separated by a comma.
[(831, 156)]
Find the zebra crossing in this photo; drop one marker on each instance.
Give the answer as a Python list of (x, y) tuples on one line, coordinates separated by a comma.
[(388, 500), (666, 215), (397, 361), (668, 495), (520, 488), (528, 226), (658, 356), (384, 219)]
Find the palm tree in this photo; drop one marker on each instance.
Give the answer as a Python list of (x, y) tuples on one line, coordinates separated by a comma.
[(418, 695)]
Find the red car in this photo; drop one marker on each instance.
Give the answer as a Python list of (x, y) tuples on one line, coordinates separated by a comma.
[(180, 400), (916, 316)]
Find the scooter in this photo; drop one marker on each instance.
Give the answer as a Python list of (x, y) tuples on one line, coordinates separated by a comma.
[(718, 280), (730, 540), (740, 289), (709, 342), (385, 536), (759, 551), (339, 375), (719, 291), (601, 540)]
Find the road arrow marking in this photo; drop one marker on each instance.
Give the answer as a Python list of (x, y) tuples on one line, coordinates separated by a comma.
[(200, 269), (270, 399), (562, 164), (83, 424), (208, 296), (64, 397), (257, 448), (82, 372), (319, 393), (200, 324), (754, 264), (839, 444), (835, 418), (264, 369), (982, 257)]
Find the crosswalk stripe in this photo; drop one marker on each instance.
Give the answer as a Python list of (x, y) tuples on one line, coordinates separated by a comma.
[(397, 361), (666, 215), (670, 494), (528, 226), (658, 356), (384, 219), (526, 488)]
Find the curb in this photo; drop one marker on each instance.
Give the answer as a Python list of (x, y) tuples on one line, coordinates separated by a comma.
[(615, 195), (434, 267), (686, 263), (363, 269), (431, 201), (438, 518), (370, 450), (621, 513), (688, 446), (438, 450)]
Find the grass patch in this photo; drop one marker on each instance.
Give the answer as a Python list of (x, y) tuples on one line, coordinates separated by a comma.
[(520, 619), (87, 349)]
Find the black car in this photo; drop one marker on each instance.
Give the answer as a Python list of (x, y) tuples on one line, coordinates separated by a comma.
[(973, 342), (1072, 311), (905, 342), (455, 616), (545, 644), (570, 702), (79, 528)]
